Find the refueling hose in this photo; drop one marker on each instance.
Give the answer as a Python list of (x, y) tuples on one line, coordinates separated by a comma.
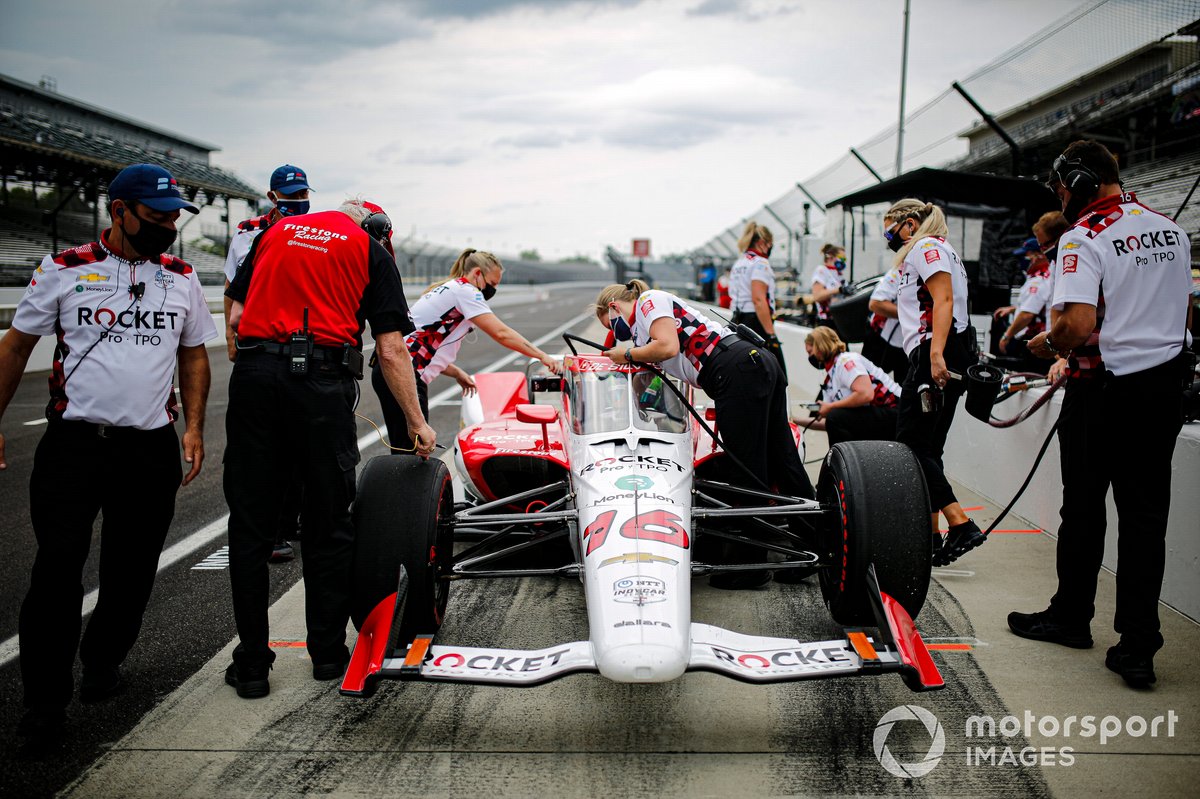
[(1028, 478), (1037, 403)]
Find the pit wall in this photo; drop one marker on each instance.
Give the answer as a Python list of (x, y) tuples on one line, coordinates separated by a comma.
[(994, 463)]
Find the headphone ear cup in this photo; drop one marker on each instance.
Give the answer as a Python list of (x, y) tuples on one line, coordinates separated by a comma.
[(1083, 182)]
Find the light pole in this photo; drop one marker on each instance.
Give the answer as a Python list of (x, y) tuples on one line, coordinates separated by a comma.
[(903, 84)]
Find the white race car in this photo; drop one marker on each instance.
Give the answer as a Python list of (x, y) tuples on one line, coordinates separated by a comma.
[(622, 486)]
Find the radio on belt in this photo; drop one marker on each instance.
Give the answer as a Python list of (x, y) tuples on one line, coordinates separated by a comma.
[(300, 348)]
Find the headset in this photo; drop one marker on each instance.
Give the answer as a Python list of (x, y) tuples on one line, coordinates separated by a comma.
[(378, 226), (1075, 176)]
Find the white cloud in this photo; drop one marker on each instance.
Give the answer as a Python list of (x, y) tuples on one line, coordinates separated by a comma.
[(561, 126)]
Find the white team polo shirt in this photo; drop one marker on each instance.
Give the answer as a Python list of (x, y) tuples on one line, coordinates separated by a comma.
[(886, 290), (928, 256), (848, 367), (1036, 294), (1143, 260), (747, 269), (698, 335), (442, 318), (239, 245), (829, 278), (116, 354)]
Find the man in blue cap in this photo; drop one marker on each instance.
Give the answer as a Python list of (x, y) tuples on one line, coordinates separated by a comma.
[(1029, 314), (289, 197), (126, 315)]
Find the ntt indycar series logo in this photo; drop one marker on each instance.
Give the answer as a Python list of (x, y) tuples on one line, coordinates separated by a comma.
[(995, 742)]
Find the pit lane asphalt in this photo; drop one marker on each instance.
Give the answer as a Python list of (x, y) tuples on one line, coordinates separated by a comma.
[(701, 735), (189, 618)]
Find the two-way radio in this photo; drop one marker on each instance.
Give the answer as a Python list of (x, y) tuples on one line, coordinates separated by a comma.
[(300, 348)]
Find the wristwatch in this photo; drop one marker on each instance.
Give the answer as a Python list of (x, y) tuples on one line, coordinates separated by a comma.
[(1050, 345), (629, 355)]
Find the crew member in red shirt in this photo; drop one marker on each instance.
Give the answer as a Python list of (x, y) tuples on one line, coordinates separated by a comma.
[(300, 301)]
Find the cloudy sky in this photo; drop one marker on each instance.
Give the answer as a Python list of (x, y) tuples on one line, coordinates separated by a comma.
[(509, 124)]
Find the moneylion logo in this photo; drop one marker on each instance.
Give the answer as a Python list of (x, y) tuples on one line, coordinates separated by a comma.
[(937, 741)]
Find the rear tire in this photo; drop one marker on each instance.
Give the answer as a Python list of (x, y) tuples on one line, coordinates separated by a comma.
[(401, 518), (880, 492)]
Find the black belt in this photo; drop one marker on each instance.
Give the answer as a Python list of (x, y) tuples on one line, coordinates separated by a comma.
[(328, 354), (103, 430)]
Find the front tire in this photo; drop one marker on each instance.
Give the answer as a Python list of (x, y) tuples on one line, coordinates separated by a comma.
[(882, 517), (402, 517)]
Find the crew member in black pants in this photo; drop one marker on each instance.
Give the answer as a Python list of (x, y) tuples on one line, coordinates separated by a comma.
[(932, 304), (300, 302), (1134, 262), (745, 382), (110, 444)]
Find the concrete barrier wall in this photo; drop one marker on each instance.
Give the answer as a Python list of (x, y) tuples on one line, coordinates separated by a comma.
[(994, 462)]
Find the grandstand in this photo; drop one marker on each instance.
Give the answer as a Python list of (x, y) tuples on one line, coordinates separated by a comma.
[(67, 150), (1121, 72), (62, 152)]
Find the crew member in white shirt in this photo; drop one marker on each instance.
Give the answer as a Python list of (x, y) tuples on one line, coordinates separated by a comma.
[(932, 304), (126, 315), (859, 400), (881, 343), (752, 288), (746, 386), (443, 316), (1138, 263), (828, 281)]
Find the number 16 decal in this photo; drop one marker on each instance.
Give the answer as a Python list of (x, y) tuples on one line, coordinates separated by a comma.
[(656, 525), (597, 531)]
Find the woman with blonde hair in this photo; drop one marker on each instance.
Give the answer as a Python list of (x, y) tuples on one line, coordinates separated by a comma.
[(932, 303), (859, 400), (745, 384), (752, 287), (443, 317)]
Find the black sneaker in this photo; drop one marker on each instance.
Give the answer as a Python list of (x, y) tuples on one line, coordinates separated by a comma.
[(329, 671), (282, 553), (960, 539), (1135, 668), (43, 730), (1043, 626), (250, 680), (100, 683)]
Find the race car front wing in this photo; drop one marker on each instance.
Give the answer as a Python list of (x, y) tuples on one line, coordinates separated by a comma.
[(896, 647)]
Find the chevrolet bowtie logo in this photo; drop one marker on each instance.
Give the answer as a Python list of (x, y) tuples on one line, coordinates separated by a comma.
[(92, 278)]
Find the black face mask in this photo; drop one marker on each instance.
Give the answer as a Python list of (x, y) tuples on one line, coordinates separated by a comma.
[(489, 291), (894, 244), (816, 362), (151, 240)]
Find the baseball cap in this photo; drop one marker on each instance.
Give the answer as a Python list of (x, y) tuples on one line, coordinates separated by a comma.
[(1030, 245), (150, 185), (289, 179)]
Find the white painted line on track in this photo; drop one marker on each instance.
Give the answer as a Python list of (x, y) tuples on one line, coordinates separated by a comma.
[(34, 422), (10, 649)]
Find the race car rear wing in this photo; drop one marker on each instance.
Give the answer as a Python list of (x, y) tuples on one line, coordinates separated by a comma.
[(897, 647)]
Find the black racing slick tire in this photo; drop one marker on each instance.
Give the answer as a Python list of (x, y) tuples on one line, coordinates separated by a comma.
[(881, 516), (402, 517)]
